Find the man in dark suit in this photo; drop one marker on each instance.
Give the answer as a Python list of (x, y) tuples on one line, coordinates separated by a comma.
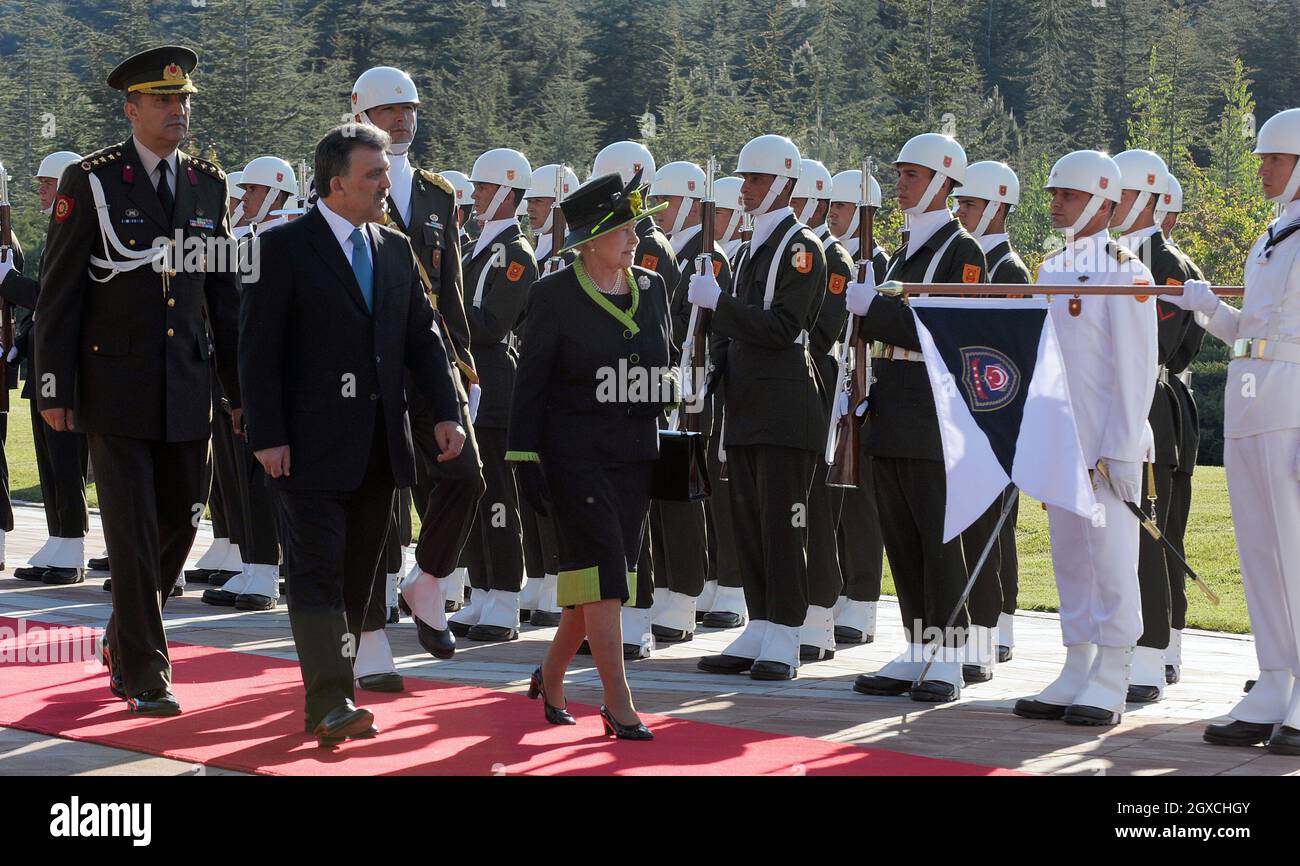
[(122, 350), (328, 330)]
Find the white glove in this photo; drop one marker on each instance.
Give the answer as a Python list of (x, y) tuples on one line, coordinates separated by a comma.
[(1197, 297), (704, 290), (12, 356), (858, 296), (842, 406), (475, 395), (6, 266), (1125, 479)]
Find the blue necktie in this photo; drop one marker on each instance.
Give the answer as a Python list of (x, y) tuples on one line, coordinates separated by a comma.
[(363, 268)]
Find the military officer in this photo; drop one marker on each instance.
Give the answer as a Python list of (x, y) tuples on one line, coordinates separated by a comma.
[(122, 351), (903, 431), (861, 548), (774, 430), (1261, 449), (984, 200), (1108, 344), (499, 269)]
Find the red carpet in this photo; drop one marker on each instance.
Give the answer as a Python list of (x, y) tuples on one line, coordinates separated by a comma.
[(244, 712)]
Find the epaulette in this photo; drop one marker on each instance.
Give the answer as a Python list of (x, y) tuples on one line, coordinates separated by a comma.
[(104, 156), (207, 167), (439, 181), (1119, 253)]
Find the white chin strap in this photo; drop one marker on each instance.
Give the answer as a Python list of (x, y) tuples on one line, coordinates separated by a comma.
[(502, 192), (809, 208), (238, 214), (266, 205), (1292, 187), (1086, 217), (393, 147), (928, 196), (990, 208), (550, 219), (852, 230), (732, 225), (1139, 204), (678, 220), (772, 192)]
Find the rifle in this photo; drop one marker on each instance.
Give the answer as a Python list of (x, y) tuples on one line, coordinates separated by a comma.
[(746, 238), (558, 227), (997, 290), (854, 382), (6, 308), (694, 360)]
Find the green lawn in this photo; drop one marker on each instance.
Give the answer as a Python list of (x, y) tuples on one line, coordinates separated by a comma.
[(1211, 549)]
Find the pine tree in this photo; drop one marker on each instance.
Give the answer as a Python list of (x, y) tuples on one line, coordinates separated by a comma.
[(1232, 162)]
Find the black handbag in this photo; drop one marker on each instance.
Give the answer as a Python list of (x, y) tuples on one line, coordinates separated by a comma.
[(681, 473)]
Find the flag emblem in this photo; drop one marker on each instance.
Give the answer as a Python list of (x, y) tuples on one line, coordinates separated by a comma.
[(62, 208), (1104, 182), (514, 272), (279, 176), (690, 184), (990, 378), (649, 262), (510, 174), (1002, 189), (947, 162), (837, 284)]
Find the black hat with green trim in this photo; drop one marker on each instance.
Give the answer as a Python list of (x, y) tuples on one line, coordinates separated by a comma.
[(602, 205)]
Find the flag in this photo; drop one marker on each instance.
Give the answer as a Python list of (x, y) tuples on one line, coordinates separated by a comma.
[(1000, 394)]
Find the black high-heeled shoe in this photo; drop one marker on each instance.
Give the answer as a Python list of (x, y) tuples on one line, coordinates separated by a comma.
[(622, 731), (554, 715)]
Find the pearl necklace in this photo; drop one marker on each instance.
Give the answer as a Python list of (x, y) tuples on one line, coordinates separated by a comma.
[(615, 289)]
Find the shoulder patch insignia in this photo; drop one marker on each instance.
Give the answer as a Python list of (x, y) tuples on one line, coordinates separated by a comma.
[(63, 208), (207, 167), (837, 284), (649, 262), (514, 272), (439, 181), (803, 262), (1170, 281), (970, 273), (717, 267)]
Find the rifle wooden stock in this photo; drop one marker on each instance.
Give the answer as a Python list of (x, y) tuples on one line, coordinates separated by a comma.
[(844, 470), (696, 365)]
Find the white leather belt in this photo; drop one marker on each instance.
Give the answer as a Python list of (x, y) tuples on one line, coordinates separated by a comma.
[(895, 353), (1164, 374), (1266, 350), (1186, 377)]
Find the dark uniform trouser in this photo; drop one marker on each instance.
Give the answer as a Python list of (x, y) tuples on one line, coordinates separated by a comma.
[(724, 561), (334, 543), (1153, 575), (225, 463), (1180, 506), (825, 579), (769, 508), (986, 603), (494, 553), (61, 460), (261, 544), (928, 574), (148, 491), (1010, 571), (681, 548), (645, 566), (541, 555), (447, 494), (861, 547)]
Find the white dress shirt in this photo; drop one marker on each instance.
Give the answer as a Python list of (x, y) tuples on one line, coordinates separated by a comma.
[(342, 229), (682, 238), (765, 224), (923, 227), (401, 177), (490, 231), (150, 161), (988, 242)]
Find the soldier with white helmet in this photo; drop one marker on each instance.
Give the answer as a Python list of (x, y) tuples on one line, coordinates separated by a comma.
[(902, 430), (984, 200), (539, 202), (774, 432), (234, 192), (464, 191), (267, 182), (858, 540), (729, 214), (1169, 207), (1261, 448), (1108, 344), (499, 270), (60, 456)]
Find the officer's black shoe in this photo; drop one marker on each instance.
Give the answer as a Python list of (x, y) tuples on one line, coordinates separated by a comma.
[(386, 682), (63, 576), (808, 653), (934, 692), (219, 597), (699, 616), (368, 734), (1285, 742), (525, 615), (450, 606), (1172, 675), (492, 633), (1078, 714), (975, 674), (722, 619), (114, 675), (394, 616), (1237, 733), (100, 563), (1143, 694), (769, 670), (1028, 708), (545, 618), (725, 664), (342, 722), (459, 629), (108, 584), (178, 589), (1250, 684), (218, 578), (635, 652), (30, 572), (670, 635), (192, 575), (253, 601), (848, 634), (875, 684), (154, 702), (1004, 654), (439, 644)]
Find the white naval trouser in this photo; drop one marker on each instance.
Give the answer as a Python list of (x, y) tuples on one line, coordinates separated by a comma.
[(1265, 497), (1096, 573)]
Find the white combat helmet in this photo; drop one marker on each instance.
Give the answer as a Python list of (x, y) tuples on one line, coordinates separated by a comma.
[(1171, 200), (460, 183), (268, 171), (814, 184), (625, 158), (505, 167), (233, 189), (995, 183), (384, 85), (1089, 171), (681, 178), (847, 187), (543, 186), (1281, 134), (726, 195), (1144, 171), (53, 166), (939, 153), (770, 154)]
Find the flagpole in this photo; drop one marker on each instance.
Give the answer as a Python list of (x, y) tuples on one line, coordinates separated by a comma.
[(1023, 290), (1012, 493)]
